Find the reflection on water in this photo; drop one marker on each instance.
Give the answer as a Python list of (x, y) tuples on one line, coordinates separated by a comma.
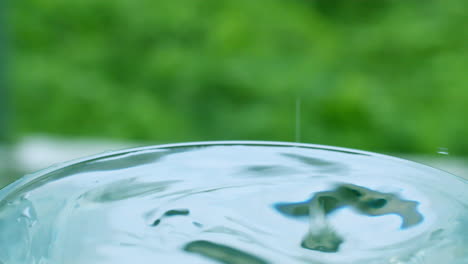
[(222, 253), (172, 212), (236, 203), (322, 237)]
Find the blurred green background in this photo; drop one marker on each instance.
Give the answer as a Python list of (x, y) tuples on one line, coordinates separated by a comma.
[(385, 76)]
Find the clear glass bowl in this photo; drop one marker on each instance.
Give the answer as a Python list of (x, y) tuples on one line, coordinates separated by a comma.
[(235, 202)]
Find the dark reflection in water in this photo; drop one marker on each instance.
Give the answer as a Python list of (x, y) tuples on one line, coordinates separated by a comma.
[(318, 164), (267, 171), (197, 224), (325, 240), (222, 253), (173, 212), (322, 237), (125, 189), (177, 212)]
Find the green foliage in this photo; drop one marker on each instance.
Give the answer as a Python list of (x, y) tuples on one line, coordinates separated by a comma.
[(379, 75)]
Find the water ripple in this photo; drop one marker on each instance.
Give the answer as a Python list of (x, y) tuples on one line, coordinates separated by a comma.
[(236, 202)]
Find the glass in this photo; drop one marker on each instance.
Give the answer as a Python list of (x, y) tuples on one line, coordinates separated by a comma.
[(236, 202)]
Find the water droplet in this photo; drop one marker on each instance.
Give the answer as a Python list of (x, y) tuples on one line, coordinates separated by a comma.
[(298, 120)]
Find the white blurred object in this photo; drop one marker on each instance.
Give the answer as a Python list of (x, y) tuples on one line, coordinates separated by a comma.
[(39, 152)]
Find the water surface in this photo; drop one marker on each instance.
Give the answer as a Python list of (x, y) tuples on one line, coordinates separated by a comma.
[(236, 202)]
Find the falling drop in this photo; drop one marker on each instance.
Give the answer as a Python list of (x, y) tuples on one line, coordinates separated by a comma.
[(298, 120)]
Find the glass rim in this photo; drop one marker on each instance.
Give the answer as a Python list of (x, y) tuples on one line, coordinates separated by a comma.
[(194, 144)]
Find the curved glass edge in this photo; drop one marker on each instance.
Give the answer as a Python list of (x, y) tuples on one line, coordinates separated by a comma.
[(29, 177)]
